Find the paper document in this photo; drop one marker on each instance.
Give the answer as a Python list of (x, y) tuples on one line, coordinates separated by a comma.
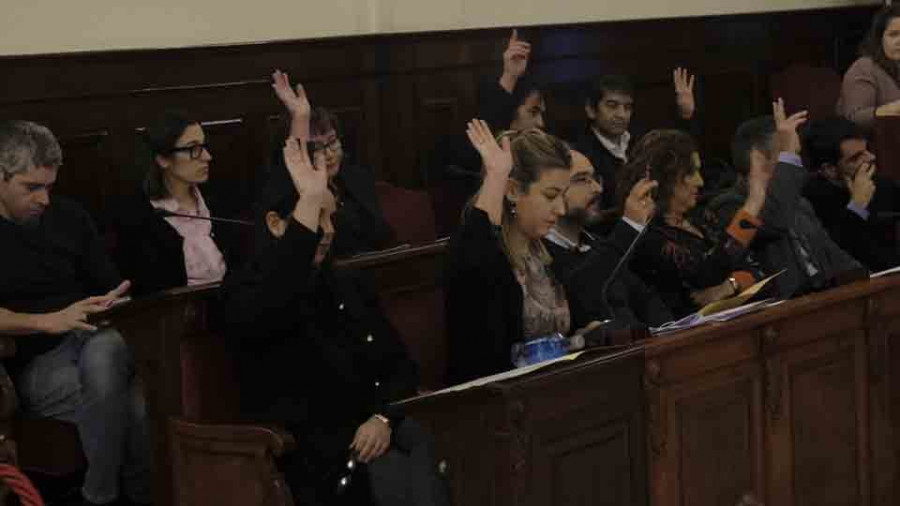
[(737, 300), (887, 272), (696, 319)]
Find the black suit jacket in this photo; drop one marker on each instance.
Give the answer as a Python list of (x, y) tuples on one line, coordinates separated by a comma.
[(872, 241), (631, 301)]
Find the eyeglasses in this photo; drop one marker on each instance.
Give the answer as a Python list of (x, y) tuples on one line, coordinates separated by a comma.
[(333, 145), (195, 150)]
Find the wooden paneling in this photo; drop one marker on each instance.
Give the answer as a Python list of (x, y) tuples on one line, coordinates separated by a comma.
[(397, 95)]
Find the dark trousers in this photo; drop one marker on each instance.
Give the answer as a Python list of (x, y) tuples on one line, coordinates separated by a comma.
[(406, 475)]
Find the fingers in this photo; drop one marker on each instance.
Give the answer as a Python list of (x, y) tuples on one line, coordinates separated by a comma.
[(505, 144), (514, 37), (367, 447), (798, 118), (319, 163), (479, 132), (120, 290), (300, 90), (643, 187), (80, 325)]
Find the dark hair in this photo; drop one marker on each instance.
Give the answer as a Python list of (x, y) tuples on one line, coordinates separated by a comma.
[(612, 83), (822, 140), (159, 139), (872, 45), (668, 155), (24, 145), (499, 115), (322, 121), (757, 133)]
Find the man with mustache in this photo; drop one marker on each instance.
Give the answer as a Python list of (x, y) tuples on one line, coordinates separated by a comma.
[(584, 262), (609, 107)]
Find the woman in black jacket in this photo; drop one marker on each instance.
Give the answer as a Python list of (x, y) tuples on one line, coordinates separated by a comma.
[(318, 355), (500, 288), (158, 252)]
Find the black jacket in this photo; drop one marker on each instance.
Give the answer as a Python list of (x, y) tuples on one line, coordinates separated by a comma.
[(316, 352), (872, 241), (583, 273), (150, 252), (789, 222), (483, 300)]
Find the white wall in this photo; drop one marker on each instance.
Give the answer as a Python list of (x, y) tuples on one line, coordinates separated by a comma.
[(53, 26)]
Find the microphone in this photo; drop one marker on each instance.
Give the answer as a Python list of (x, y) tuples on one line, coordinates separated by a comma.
[(166, 214), (612, 331)]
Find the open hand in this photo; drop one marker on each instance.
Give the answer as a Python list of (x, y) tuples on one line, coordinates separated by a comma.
[(294, 99), (310, 180), (640, 206), (684, 92), (76, 315), (515, 61), (497, 158), (372, 440), (861, 185), (787, 137)]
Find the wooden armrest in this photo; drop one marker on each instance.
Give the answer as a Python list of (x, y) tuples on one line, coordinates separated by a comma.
[(269, 439)]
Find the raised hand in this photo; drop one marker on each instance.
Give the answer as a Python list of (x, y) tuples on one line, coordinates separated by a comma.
[(515, 61), (861, 185), (684, 92), (497, 159), (310, 180), (787, 138), (639, 206), (294, 99)]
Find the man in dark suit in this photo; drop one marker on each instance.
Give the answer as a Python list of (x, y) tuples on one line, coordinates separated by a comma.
[(584, 262), (853, 202), (791, 238), (609, 107), (319, 356)]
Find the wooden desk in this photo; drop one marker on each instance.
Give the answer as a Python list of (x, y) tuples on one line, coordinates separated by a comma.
[(797, 404), (154, 328)]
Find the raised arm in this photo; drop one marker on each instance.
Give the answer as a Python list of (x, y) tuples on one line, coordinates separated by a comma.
[(497, 160), (296, 102), (515, 62), (684, 93)]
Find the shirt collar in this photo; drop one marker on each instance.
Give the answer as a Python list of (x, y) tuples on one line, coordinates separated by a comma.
[(562, 241), (618, 149), (171, 205)]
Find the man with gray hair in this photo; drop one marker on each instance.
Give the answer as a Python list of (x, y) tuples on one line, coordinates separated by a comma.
[(53, 267)]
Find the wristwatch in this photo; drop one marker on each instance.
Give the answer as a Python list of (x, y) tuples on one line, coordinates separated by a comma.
[(383, 419)]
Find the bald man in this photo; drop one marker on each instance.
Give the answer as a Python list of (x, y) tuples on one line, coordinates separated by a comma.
[(584, 262)]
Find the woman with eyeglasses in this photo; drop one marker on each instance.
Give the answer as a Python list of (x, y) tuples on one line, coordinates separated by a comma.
[(156, 249), (359, 215)]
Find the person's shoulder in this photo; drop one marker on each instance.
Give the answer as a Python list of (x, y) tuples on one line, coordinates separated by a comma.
[(863, 65)]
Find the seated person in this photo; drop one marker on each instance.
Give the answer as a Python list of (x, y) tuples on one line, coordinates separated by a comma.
[(359, 217), (64, 367), (584, 262), (320, 356), (512, 102), (500, 289), (159, 252), (871, 86), (609, 107), (791, 237), (847, 193), (689, 256)]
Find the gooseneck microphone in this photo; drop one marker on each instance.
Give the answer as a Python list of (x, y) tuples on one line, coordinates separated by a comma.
[(604, 291), (166, 214)]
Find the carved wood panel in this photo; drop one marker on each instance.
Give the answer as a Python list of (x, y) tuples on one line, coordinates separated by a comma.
[(713, 447), (818, 432)]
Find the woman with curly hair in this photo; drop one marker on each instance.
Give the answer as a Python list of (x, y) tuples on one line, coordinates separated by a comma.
[(871, 85), (687, 255)]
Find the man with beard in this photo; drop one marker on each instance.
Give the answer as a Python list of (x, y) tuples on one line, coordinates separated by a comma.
[(584, 263)]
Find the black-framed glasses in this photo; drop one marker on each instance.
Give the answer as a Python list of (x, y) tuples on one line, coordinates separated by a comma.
[(195, 151)]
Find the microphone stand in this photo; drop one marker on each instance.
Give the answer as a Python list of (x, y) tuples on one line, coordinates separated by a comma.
[(166, 214)]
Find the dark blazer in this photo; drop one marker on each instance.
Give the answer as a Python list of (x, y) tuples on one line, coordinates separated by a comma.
[(316, 352), (150, 252), (584, 273), (789, 221), (484, 301), (872, 241)]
